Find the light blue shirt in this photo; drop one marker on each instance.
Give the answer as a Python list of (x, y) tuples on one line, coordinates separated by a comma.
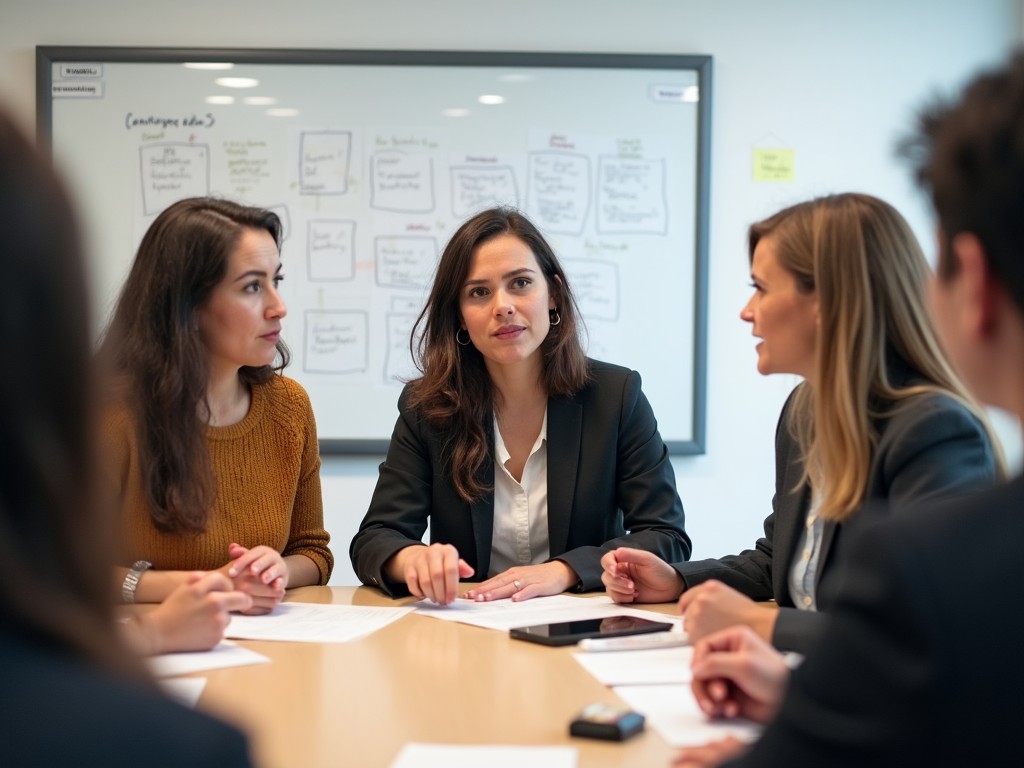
[(803, 573)]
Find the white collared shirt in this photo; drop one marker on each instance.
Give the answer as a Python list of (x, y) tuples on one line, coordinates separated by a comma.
[(520, 508)]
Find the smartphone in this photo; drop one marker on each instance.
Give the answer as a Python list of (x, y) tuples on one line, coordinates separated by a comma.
[(571, 632), (606, 721)]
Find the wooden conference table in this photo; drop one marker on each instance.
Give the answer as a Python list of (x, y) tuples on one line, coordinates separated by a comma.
[(417, 679)]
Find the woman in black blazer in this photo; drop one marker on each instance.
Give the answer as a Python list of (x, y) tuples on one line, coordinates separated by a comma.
[(839, 299), (920, 663), (528, 459)]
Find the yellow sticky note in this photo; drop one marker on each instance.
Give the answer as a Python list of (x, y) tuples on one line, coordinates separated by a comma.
[(774, 164)]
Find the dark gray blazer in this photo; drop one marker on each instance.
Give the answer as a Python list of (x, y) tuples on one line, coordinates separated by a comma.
[(920, 663), (929, 447), (610, 484), (59, 710)]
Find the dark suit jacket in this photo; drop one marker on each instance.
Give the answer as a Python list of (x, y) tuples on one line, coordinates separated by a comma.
[(59, 711), (608, 473), (929, 447), (921, 660)]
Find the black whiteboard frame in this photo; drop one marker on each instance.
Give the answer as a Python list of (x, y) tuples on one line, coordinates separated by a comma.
[(46, 56)]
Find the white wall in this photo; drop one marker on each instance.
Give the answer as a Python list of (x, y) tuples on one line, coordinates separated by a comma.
[(837, 81)]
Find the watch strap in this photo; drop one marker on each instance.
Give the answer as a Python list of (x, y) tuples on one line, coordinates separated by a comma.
[(131, 580)]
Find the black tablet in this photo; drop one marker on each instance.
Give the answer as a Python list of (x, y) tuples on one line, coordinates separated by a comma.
[(571, 632)]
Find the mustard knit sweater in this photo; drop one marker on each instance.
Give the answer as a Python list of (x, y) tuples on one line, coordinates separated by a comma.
[(267, 468)]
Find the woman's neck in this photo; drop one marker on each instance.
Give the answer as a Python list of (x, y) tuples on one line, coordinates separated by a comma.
[(228, 399), (517, 387), (520, 403)]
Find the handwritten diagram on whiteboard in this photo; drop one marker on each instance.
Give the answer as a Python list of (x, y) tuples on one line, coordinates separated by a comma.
[(608, 158)]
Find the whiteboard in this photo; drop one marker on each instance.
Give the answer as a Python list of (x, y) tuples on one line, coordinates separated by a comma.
[(373, 158)]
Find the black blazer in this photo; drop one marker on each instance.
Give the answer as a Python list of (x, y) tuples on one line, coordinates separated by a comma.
[(920, 663), (58, 710), (608, 474), (929, 447)]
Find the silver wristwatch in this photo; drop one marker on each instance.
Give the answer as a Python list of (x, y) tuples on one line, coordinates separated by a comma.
[(131, 580)]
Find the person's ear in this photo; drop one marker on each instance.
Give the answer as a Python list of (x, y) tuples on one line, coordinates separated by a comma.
[(555, 295), (981, 293)]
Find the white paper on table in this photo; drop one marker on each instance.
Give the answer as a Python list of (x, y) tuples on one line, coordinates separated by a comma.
[(672, 711), (650, 667), (314, 623), (184, 690), (224, 654), (415, 755), (506, 614)]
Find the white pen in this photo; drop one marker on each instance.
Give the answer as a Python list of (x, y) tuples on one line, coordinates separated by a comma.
[(670, 639)]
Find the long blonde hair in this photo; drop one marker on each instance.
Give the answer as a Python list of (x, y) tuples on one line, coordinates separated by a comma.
[(861, 257)]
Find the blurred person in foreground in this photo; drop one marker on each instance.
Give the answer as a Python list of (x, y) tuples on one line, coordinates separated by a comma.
[(65, 668)]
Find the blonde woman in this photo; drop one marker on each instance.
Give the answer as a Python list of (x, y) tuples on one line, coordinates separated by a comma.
[(839, 299)]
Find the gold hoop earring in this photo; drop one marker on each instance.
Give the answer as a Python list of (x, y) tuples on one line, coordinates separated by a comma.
[(459, 341), (554, 317)]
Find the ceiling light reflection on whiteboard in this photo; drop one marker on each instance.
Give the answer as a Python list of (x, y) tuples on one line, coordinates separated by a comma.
[(237, 82), (491, 98), (455, 112), (220, 99), (259, 101), (208, 65)]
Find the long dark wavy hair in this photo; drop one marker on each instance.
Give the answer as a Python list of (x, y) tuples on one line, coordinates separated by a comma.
[(157, 359), (56, 540), (455, 389)]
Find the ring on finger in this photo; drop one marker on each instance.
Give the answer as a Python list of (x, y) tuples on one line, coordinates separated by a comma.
[(517, 585)]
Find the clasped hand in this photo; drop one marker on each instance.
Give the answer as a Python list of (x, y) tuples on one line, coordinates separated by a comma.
[(638, 576), (193, 617), (713, 606), (735, 674), (259, 572)]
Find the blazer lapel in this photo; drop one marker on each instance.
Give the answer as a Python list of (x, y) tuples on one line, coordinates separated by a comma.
[(481, 513), (828, 533), (565, 431), (793, 510)]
